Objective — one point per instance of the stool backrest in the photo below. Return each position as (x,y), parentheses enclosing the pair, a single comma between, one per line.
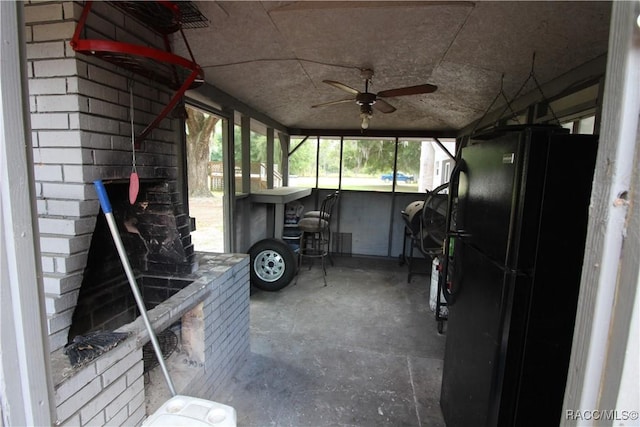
(326,208)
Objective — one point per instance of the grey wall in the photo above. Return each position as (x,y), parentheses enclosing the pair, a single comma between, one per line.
(369,223)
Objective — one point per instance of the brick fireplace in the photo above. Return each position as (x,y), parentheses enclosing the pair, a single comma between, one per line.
(81,132)
(155,232)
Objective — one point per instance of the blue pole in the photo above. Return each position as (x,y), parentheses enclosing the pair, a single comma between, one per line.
(106,208)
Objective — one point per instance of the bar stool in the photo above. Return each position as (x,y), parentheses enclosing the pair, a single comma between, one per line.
(315,234)
(317,214)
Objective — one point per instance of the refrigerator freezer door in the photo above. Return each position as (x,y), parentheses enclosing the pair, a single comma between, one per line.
(487,193)
(473,339)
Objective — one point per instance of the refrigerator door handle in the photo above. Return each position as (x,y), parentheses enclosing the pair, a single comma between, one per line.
(445,283)
(450,278)
(445,276)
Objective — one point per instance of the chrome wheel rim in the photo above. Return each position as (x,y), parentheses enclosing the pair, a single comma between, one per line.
(269,265)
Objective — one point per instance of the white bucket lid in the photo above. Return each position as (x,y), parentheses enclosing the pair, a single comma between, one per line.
(192,412)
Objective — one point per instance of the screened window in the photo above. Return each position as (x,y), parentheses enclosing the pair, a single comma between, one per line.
(366,163)
(423,164)
(587,125)
(583,125)
(205,177)
(302,162)
(411,163)
(258,152)
(329,163)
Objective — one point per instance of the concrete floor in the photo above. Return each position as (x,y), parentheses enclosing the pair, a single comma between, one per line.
(362,351)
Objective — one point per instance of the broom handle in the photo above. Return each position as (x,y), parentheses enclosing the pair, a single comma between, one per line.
(106,208)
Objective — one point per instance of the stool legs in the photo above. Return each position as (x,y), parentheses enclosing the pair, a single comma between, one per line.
(314,245)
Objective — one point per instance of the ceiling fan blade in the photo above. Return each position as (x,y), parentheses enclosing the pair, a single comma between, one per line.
(384,106)
(341,86)
(411,90)
(341,101)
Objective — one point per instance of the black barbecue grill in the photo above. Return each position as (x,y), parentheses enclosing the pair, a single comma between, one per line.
(425,230)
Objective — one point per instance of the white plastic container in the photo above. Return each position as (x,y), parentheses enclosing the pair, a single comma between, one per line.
(185,411)
(444,311)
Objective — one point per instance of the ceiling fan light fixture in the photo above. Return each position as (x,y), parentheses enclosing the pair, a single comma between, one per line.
(365,114)
(365,120)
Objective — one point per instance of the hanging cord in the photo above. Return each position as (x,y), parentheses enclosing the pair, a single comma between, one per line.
(544,98)
(513,113)
(133,132)
(504,96)
(532,76)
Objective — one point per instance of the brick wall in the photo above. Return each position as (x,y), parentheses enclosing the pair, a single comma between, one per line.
(226,334)
(109,391)
(81,132)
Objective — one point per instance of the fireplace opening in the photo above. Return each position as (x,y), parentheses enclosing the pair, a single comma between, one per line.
(156,235)
(167,341)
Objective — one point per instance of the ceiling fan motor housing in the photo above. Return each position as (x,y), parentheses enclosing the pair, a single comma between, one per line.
(366,98)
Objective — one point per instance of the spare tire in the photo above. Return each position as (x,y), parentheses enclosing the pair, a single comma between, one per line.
(273,264)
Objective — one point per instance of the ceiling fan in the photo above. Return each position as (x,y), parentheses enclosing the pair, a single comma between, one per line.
(368,100)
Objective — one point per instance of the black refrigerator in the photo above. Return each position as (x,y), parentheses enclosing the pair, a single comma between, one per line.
(517,243)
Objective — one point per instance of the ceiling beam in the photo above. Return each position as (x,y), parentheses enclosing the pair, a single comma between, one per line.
(380,133)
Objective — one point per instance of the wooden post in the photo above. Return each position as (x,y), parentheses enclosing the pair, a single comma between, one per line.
(270,143)
(245,135)
(229,182)
(604,336)
(24,352)
(284,156)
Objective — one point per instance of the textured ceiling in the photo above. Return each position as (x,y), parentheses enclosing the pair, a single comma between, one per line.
(273,56)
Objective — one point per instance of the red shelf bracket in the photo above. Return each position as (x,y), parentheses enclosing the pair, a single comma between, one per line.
(161,66)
